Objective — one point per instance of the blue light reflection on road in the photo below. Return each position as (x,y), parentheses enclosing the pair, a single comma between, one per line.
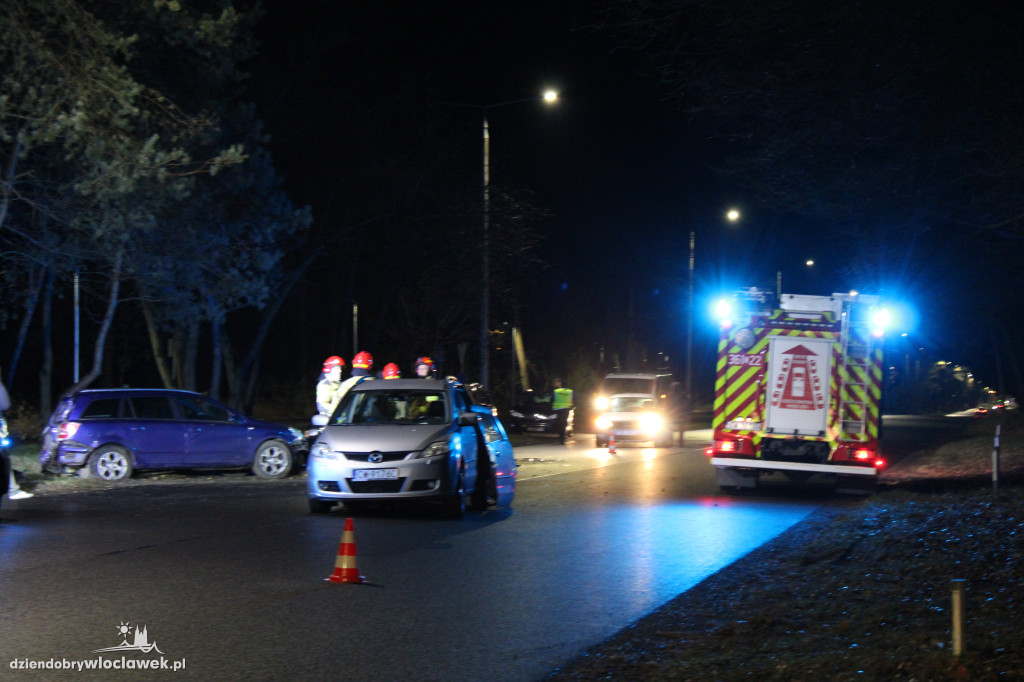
(664,549)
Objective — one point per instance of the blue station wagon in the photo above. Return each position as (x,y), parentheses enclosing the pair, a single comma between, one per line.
(114,432)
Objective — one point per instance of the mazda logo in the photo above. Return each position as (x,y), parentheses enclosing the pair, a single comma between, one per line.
(376,457)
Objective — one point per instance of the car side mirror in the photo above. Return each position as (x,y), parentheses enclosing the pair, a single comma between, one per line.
(320,420)
(468,419)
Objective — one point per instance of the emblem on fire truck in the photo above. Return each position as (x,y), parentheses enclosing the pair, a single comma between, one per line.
(797,384)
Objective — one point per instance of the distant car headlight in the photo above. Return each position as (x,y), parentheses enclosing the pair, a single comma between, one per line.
(651,423)
(516,414)
(601,402)
(435,449)
(321,450)
(603,423)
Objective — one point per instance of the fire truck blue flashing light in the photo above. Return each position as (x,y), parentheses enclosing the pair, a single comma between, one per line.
(724,312)
(880,321)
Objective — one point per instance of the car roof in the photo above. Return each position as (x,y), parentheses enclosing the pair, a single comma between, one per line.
(135,391)
(391,384)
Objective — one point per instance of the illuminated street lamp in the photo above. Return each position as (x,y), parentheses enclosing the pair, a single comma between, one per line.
(549,97)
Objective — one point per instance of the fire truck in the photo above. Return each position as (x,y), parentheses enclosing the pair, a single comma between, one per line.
(798,386)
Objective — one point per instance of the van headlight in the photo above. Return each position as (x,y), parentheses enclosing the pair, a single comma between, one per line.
(651,423)
(601,402)
(603,423)
(435,449)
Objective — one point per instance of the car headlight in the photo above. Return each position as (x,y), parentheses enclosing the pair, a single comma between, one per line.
(603,423)
(601,402)
(321,450)
(514,413)
(435,449)
(651,423)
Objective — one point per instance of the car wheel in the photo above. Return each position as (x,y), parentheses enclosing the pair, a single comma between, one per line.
(317,506)
(454,505)
(600,442)
(273,460)
(110,463)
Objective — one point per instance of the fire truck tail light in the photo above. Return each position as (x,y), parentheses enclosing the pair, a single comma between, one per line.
(879,463)
(67,430)
(709,452)
(863,454)
(727,446)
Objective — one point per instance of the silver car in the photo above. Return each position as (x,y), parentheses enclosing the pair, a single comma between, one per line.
(410,439)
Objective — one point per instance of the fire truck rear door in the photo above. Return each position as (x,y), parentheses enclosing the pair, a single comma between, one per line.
(798,385)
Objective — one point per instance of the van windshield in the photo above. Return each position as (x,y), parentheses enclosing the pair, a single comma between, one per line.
(613,385)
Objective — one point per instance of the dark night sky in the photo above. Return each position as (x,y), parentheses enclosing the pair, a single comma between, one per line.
(626,174)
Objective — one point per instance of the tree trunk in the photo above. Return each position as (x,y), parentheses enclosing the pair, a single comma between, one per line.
(248,370)
(45,273)
(215,341)
(107,321)
(46,362)
(154,342)
(10,164)
(190,355)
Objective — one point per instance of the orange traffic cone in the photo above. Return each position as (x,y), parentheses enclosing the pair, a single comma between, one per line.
(345,570)
(611,443)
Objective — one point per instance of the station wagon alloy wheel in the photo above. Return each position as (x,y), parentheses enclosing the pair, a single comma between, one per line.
(273,460)
(110,463)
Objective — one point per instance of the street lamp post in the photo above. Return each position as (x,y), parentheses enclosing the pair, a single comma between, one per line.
(732,216)
(485,284)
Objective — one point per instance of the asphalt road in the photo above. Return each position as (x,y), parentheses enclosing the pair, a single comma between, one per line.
(226,573)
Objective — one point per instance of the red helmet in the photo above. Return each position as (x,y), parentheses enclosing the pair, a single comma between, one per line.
(391,371)
(424,361)
(333,361)
(362,360)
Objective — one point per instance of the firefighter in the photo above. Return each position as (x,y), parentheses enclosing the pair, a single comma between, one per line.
(328,389)
(424,368)
(391,371)
(561,403)
(362,364)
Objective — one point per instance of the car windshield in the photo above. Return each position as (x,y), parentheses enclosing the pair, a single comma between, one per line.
(630,404)
(398,406)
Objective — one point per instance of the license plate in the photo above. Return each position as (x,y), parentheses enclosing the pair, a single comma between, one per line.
(534,428)
(375,474)
(626,432)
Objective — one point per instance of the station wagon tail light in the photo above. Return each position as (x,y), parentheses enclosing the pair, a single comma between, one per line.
(68,430)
